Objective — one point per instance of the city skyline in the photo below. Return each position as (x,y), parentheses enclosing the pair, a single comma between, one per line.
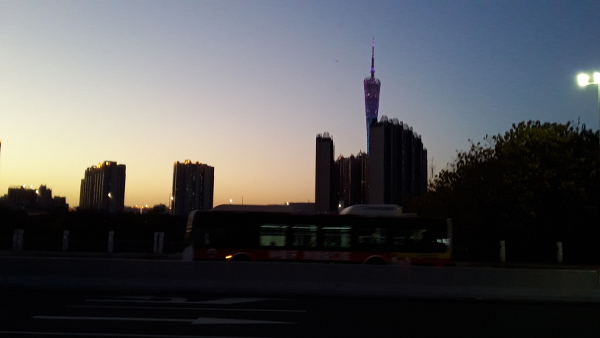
(245,86)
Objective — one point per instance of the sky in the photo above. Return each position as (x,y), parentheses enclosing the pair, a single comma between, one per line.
(245,86)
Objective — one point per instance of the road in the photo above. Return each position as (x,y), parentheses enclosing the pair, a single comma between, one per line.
(47,313)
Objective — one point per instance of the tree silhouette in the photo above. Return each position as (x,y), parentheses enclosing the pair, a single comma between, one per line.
(538,182)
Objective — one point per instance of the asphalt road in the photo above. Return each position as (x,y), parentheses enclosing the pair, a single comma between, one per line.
(63,313)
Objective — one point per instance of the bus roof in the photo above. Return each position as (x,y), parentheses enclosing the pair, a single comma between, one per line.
(254,208)
(390,210)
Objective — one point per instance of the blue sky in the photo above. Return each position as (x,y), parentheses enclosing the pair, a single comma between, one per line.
(245,86)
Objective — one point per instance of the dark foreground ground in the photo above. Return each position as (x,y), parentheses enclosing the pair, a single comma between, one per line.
(63,313)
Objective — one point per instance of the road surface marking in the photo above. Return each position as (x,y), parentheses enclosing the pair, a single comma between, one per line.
(181,308)
(200,320)
(209,320)
(116,319)
(154,298)
(63,334)
(149,300)
(230,301)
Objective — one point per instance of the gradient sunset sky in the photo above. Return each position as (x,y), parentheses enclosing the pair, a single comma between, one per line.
(245,86)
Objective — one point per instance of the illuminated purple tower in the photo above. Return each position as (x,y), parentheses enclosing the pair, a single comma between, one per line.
(372,86)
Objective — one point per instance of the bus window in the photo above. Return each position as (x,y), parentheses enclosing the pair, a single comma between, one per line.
(225,236)
(406,237)
(371,237)
(417,236)
(400,238)
(336,237)
(202,236)
(272,235)
(304,235)
(211,237)
(418,240)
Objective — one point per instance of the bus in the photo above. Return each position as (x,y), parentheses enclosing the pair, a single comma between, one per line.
(256,235)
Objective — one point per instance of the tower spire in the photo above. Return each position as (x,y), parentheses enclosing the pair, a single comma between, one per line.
(372,86)
(373,59)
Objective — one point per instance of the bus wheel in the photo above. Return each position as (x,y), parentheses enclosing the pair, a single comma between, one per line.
(375,261)
(241,258)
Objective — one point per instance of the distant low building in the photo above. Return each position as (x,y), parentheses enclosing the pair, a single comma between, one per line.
(146,209)
(33,200)
(22,198)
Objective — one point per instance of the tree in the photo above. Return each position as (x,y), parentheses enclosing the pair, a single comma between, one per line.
(537,181)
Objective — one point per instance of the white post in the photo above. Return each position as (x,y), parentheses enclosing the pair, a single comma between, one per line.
(65,241)
(18,239)
(559,252)
(502,251)
(111,241)
(158,242)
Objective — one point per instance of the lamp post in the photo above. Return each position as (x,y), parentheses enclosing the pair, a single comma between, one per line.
(584,80)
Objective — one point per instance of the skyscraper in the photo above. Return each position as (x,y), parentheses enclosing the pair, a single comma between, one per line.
(325,183)
(397,163)
(193,187)
(103,188)
(372,86)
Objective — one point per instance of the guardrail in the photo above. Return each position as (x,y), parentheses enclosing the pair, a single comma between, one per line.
(300,279)
(147,243)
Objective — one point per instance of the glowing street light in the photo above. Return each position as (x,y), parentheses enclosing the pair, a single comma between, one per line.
(584,80)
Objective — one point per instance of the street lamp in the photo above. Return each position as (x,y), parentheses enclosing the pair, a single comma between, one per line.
(584,80)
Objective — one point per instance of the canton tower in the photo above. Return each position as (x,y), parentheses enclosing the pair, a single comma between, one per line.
(372,86)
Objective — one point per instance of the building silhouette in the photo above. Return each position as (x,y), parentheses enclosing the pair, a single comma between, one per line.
(22,198)
(372,86)
(103,188)
(352,175)
(33,200)
(326,198)
(193,187)
(393,170)
(397,163)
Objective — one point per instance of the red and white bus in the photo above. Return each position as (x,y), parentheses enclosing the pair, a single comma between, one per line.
(346,238)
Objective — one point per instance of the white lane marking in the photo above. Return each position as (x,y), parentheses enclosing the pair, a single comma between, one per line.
(154,298)
(223,301)
(63,334)
(200,320)
(208,320)
(116,319)
(181,308)
(230,301)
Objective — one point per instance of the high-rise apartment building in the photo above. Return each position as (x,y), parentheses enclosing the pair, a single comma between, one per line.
(325,183)
(372,86)
(352,173)
(103,188)
(193,187)
(397,163)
